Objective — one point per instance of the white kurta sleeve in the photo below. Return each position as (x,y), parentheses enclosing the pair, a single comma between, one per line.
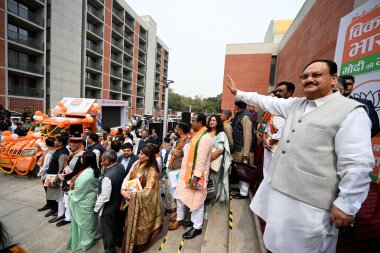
(274,105)
(279,123)
(104,196)
(354,160)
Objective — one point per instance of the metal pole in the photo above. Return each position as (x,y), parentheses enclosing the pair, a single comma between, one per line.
(165,127)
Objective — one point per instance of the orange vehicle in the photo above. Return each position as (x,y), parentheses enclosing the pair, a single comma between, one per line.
(20,154)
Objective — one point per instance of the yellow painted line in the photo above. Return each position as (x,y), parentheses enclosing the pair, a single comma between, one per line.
(163,242)
(230,219)
(181,246)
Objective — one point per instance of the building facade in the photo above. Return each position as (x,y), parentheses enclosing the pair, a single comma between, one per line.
(80,48)
(288,46)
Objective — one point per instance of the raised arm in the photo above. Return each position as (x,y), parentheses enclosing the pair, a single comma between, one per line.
(274,105)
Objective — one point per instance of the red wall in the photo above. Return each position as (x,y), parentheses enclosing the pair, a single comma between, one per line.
(250,73)
(315,38)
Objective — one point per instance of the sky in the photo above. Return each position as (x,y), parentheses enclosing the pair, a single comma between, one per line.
(197,32)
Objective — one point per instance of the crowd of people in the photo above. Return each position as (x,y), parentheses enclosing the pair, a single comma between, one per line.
(314,169)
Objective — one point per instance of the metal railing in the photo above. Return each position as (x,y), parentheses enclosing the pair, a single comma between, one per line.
(117,43)
(26,66)
(142,59)
(25,40)
(127,90)
(130,37)
(26,14)
(130,24)
(128,51)
(115,73)
(117,29)
(95,31)
(143,36)
(116,58)
(18,90)
(93,82)
(115,87)
(118,13)
(157,79)
(94,65)
(95,12)
(139,105)
(94,47)
(140,82)
(127,77)
(141,71)
(140,93)
(143,48)
(128,64)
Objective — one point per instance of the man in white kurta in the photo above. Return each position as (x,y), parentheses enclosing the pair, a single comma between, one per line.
(295,221)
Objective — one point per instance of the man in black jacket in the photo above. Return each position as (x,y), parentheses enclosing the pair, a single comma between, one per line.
(128,158)
(93,145)
(345,90)
(109,200)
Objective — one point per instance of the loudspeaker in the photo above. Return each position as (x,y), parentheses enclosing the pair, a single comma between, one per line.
(186,117)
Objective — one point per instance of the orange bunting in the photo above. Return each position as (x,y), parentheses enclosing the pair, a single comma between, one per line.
(64,109)
(7,138)
(60,104)
(38,113)
(93,109)
(7,133)
(44,116)
(30,133)
(85,120)
(66,122)
(90,120)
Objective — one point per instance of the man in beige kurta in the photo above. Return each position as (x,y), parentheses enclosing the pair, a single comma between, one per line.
(190,196)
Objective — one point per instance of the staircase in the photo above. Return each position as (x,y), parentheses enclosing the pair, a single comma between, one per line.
(244,235)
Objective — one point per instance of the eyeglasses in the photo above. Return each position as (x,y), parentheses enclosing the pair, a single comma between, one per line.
(313,75)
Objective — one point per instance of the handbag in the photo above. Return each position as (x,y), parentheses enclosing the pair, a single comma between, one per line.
(215,165)
(244,171)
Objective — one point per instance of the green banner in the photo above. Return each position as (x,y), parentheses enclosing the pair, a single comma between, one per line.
(360,66)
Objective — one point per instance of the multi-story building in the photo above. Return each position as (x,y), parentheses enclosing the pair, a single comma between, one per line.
(79,48)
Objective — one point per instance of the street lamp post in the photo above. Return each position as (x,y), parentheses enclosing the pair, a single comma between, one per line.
(166,86)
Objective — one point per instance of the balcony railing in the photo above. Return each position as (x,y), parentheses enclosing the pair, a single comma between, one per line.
(26,14)
(130,37)
(95,12)
(143,36)
(156,97)
(128,64)
(115,87)
(115,73)
(94,47)
(142,71)
(18,90)
(157,79)
(139,105)
(116,58)
(128,51)
(94,65)
(94,82)
(117,28)
(127,90)
(95,31)
(25,40)
(26,66)
(127,77)
(117,43)
(140,93)
(142,59)
(130,24)
(143,48)
(118,13)
(140,82)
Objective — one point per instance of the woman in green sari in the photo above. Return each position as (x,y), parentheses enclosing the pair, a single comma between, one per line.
(82,197)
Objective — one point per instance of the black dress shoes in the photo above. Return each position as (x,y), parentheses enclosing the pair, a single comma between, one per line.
(235,189)
(239,196)
(50,213)
(55,214)
(45,207)
(187,224)
(55,219)
(192,233)
(62,223)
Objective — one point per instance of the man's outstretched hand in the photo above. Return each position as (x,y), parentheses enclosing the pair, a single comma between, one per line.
(231,85)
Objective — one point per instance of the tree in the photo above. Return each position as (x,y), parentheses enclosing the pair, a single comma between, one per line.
(182,103)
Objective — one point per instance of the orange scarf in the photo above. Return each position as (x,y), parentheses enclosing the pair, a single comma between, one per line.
(191,158)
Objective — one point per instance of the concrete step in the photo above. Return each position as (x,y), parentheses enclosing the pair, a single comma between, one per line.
(243,237)
(216,234)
